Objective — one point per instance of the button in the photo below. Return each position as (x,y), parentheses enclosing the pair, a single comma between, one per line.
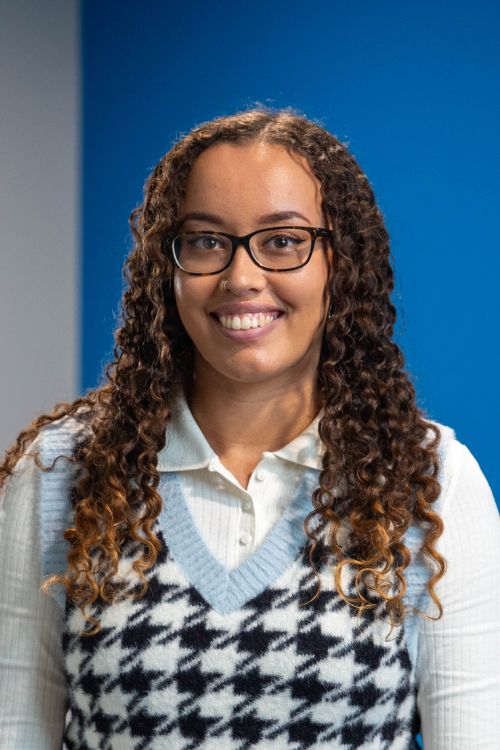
(247,505)
(260,475)
(245,538)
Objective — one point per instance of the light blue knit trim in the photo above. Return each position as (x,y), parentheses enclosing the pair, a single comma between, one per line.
(228,590)
(54,508)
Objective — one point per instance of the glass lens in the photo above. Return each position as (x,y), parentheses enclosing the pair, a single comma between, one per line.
(275,249)
(285,247)
(201,252)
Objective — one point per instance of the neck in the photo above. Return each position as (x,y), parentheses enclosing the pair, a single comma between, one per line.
(251,417)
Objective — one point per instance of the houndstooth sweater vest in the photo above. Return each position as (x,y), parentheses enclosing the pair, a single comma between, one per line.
(217,659)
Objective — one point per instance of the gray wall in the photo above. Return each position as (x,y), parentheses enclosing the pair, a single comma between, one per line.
(39,208)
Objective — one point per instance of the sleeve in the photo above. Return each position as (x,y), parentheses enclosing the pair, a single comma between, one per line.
(33,686)
(458,667)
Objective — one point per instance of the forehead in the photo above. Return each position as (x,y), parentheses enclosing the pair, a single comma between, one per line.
(252,177)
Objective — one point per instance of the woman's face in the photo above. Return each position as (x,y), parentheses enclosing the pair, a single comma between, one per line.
(239,189)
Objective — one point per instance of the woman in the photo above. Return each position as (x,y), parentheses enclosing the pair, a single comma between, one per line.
(253,521)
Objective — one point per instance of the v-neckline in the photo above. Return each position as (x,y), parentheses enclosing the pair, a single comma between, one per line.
(228,590)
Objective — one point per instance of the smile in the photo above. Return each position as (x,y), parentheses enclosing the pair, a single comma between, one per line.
(247,327)
(249,320)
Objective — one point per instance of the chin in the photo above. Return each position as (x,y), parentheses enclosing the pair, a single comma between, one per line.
(251,373)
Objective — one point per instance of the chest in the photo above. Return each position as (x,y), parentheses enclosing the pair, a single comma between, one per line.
(171,671)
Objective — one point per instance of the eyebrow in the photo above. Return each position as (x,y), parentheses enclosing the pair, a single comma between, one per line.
(265,219)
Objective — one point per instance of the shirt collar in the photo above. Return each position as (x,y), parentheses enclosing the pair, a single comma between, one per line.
(187,447)
(306,449)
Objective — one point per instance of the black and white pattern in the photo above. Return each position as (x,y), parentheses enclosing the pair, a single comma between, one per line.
(170,672)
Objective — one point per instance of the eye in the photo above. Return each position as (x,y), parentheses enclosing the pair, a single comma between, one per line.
(282,241)
(205,241)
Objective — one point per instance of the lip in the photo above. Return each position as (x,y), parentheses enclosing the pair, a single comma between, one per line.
(250,334)
(242,308)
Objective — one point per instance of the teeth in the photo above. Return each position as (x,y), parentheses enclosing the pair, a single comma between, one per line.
(236,323)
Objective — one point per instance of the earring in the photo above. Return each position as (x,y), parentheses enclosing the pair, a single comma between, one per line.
(330,313)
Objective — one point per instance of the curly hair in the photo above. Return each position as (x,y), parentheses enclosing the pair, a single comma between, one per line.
(380,467)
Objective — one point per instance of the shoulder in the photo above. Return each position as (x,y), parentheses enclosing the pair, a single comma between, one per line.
(446,447)
(49,457)
(465,504)
(52,440)
(62,434)
(471,521)
(463,483)
(35,505)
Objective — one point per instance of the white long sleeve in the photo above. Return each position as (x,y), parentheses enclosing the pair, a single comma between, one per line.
(459,655)
(32,682)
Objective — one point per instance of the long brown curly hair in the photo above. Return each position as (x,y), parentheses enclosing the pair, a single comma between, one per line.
(378,449)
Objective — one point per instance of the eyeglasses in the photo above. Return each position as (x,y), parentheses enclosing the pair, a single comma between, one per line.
(273,249)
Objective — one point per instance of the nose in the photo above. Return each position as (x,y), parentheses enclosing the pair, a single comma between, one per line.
(243,274)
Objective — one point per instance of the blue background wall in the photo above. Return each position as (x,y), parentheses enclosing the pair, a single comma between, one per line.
(413,87)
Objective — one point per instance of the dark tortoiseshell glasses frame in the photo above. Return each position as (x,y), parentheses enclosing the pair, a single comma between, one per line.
(314,232)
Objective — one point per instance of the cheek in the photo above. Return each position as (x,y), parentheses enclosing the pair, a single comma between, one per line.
(184,302)
(313,291)
(186,289)
(181,289)
(191,295)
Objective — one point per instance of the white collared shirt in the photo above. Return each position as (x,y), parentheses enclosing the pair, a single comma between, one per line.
(233,520)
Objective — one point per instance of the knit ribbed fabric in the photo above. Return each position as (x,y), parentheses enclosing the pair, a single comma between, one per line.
(170,671)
